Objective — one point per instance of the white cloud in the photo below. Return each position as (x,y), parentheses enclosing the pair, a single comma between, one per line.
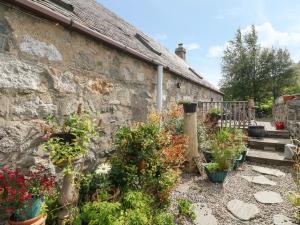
(191,46)
(215,51)
(269,36)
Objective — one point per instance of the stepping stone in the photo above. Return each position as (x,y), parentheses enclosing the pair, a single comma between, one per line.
(183,188)
(259,180)
(242,210)
(268,171)
(282,220)
(268,197)
(204,215)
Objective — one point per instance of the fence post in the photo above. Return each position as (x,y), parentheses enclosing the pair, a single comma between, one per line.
(190,130)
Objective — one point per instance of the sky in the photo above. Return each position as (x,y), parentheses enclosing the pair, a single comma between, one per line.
(205,26)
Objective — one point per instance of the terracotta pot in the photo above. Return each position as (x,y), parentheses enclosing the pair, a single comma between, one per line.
(39,220)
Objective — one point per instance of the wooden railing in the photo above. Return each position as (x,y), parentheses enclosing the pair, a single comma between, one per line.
(235,114)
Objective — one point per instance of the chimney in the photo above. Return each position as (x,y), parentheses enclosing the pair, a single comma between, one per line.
(180,51)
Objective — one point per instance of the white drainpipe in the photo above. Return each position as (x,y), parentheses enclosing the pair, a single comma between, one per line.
(159,88)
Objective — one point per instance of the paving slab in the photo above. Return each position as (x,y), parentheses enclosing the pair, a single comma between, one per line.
(204,215)
(268,171)
(279,219)
(184,187)
(241,210)
(268,197)
(259,180)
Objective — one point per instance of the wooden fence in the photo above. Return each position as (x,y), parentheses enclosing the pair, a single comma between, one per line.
(235,114)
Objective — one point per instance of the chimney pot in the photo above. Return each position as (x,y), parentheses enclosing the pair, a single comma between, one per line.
(180,51)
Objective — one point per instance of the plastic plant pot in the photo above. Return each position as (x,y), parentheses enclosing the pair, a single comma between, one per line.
(189,107)
(215,177)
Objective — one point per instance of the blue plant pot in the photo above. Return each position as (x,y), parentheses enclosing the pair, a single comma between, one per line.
(31,209)
(216,177)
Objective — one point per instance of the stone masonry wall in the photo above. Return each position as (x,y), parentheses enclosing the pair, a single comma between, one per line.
(44,68)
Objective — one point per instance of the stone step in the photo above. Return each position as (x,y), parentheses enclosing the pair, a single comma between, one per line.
(268,144)
(268,157)
(283,134)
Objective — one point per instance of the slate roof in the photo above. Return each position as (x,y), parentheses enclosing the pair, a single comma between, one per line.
(97,17)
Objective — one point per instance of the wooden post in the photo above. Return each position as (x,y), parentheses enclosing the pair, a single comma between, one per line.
(190,130)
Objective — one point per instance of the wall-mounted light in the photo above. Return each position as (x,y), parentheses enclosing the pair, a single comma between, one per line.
(178,85)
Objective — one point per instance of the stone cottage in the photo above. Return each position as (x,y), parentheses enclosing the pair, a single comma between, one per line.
(56,54)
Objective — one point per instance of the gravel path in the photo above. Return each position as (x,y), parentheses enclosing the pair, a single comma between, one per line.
(216,196)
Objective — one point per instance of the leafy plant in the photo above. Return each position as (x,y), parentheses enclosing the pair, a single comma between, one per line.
(144,155)
(164,218)
(214,112)
(213,167)
(185,208)
(68,141)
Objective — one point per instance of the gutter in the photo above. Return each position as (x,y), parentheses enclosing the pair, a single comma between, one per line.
(74,25)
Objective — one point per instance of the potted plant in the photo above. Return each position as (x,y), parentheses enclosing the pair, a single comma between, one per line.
(23,196)
(218,169)
(68,142)
(214,114)
(279,125)
(188,106)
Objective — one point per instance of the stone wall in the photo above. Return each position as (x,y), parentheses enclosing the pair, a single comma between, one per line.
(289,112)
(47,69)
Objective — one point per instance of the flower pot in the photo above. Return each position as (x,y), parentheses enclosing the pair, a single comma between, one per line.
(256,131)
(31,209)
(189,107)
(216,177)
(64,137)
(39,220)
(279,125)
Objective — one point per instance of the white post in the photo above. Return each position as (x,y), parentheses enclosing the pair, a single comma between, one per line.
(159,88)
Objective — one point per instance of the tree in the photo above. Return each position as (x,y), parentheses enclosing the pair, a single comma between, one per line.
(252,71)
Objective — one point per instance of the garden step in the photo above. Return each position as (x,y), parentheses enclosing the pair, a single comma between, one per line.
(268,157)
(269,144)
(283,134)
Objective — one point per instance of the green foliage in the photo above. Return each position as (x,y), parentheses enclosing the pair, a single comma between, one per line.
(78,128)
(252,71)
(164,218)
(185,208)
(139,161)
(213,167)
(52,206)
(100,213)
(215,112)
(226,145)
(136,208)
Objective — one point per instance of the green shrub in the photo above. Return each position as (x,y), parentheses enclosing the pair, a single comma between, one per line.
(213,167)
(164,218)
(185,208)
(100,213)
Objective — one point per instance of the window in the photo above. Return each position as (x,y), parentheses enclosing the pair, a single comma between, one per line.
(64,4)
(147,43)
